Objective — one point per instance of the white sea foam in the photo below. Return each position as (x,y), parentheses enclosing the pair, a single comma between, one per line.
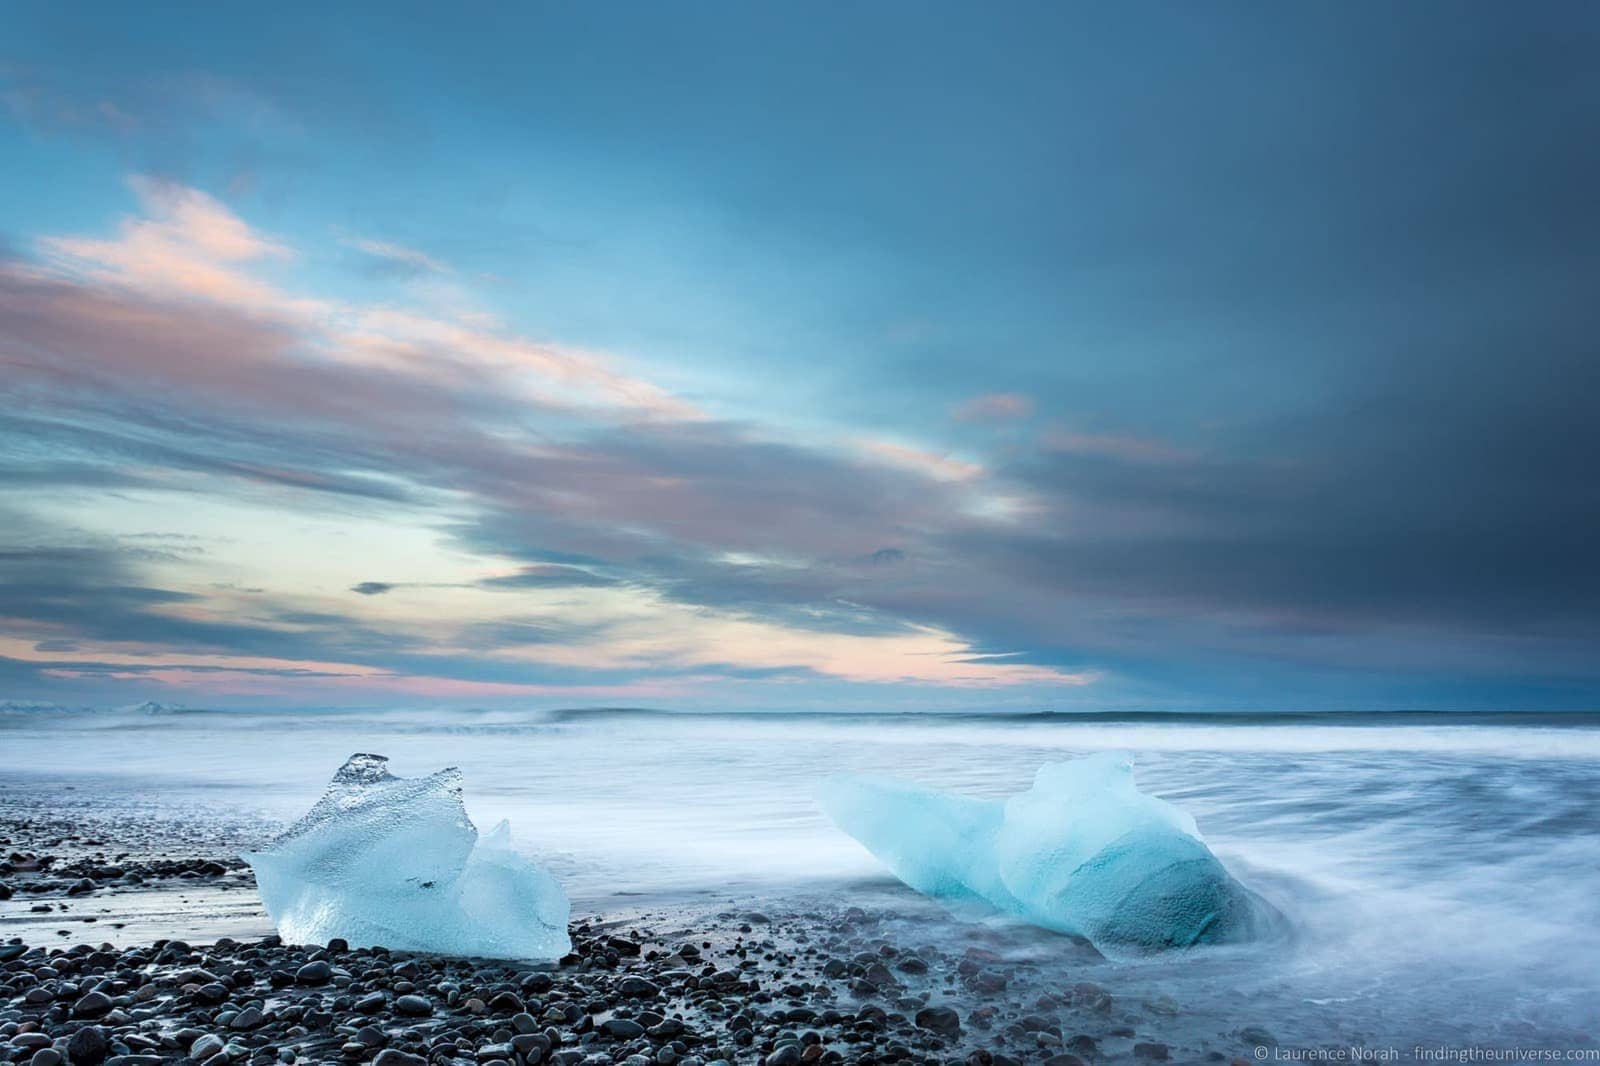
(1439,872)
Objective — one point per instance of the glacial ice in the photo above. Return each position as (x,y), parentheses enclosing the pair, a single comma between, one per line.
(1082,852)
(384,860)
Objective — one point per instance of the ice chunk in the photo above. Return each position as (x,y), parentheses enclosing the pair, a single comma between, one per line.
(1083,851)
(384,860)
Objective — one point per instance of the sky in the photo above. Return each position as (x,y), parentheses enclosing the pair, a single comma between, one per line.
(724,356)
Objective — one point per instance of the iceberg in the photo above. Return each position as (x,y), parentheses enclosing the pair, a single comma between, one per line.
(396,862)
(1082,852)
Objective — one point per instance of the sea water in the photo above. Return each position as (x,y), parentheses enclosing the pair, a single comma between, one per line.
(1440,874)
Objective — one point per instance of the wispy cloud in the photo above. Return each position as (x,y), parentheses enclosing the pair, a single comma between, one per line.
(187,246)
(170,358)
(425,502)
(994,407)
(399,255)
(934,465)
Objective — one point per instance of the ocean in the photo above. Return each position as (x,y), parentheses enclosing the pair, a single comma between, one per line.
(1440,874)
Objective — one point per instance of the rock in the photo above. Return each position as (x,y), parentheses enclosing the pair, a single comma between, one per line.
(639,988)
(371,1003)
(879,976)
(92,1005)
(1085,1045)
(942,1020)
(314,973)
(531,1046)
(506,1003)
(205,1047)
(247,1019)
(1090,997)
(46,1056)
(622,1028)
(82,886)
(211,994)
(1150,1050)
(413,1006)
(395,1057)
(88,1046)
(988,982)
(787,1055)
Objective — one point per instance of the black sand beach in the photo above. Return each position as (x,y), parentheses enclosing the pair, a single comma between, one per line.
(85,978)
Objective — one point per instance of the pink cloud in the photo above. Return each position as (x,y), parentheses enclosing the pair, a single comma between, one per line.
(928,464)
(187,246)
(182,358)
(995,407)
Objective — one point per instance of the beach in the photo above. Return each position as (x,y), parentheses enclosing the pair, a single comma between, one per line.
(1435,873)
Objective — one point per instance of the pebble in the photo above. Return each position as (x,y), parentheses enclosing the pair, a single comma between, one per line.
(942,1020)
(394,1057)
(92,1004)
(205,1047)
(413,1006)
(779,993)
(314,973)
(247,1019)
(88,1046)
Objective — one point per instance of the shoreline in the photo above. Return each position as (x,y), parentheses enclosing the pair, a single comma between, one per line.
(1338,981)
(677,984)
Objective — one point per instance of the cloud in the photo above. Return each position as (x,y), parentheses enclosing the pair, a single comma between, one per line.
(930,464)
(994,407)
(188,247)
(223,391)
(186,243)
(649,545)
(548,576)
(399,257)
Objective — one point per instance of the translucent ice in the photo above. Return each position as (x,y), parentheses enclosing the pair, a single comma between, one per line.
(384,860)
(1083,851)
